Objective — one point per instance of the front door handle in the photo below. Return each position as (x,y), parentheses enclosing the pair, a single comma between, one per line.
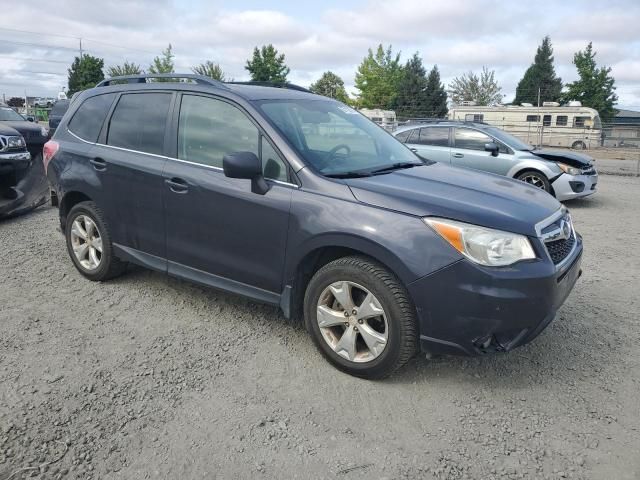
(177,185)
(98,164)
(414,150)
(458,155)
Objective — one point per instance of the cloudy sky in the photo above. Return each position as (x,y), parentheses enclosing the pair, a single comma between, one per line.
(457,35)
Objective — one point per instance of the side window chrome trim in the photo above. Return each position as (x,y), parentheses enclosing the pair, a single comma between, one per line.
(211,167)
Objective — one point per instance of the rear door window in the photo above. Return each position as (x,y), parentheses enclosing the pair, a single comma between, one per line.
(403,136)
(435,136)
(138,122)
(88,119)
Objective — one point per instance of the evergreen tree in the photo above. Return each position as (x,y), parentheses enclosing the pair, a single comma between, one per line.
(163,64)
(267,65)
(210,69)
(330,85)
(84,73)
(595,88)
(411,98)
(378,77)
(540,75)
(436,95)
(125,69)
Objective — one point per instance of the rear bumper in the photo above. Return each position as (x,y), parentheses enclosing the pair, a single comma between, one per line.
(466,309)
(567,187)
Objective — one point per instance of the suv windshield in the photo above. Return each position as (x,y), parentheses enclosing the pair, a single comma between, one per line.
(335,139)
(9,115)
(508,139)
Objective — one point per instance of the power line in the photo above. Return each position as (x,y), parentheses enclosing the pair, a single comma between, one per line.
(39,45)
(20,59)
(39,33)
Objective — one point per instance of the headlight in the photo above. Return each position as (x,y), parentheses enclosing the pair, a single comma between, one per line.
(15,142)
(44,131)
(482,245)
(570,170)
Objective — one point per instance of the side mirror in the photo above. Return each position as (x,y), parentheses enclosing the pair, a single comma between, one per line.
(245,165)
(31,119)
(492,148)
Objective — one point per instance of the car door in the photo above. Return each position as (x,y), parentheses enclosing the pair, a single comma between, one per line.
(468,150)
(218,231)
(431,143)
(130,158)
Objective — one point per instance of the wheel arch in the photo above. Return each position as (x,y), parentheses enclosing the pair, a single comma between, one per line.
(67,202)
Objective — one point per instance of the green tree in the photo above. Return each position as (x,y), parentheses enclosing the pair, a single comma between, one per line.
(596,87)
(210,69)
(436,95)
(541,75)
(84,73)
(410,100)
(125,69)
(267,65)
(16,102)
(482,89)
(378,77)
(163,63)
(330,85)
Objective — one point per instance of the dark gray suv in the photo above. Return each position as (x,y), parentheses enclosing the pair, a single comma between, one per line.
(299,201)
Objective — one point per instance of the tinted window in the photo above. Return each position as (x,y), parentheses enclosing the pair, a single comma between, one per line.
(138,122)
(471,139)
(474,117)
(438,136)
(561,120)
(272,165)
(403,136)
(88,119)
(209,129)
(533,118)
(60,107)
(581,121)
(546,121)
(9,115)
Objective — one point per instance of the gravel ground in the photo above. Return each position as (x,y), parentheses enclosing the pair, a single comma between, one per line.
(150,377)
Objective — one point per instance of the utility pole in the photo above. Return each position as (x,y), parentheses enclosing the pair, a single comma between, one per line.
(80,48)
(540,124)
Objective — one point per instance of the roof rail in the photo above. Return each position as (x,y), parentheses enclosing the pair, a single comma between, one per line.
(175,77)
(287,85)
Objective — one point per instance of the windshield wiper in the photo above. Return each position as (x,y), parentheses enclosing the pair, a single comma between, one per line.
(396,166)
(348,175)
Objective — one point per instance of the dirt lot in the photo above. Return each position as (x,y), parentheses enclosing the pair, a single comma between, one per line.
(151,377)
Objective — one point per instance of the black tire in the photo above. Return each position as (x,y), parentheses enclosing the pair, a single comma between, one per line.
(535,179)
(579,145)
(110,266)
(402,343)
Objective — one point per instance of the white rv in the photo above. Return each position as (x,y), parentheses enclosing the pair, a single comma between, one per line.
(551,125)
(385,118)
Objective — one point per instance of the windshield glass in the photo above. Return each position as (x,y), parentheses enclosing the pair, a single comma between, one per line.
(508,139)
(335,139)
(9,115)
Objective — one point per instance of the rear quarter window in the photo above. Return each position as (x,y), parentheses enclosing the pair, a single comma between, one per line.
(403,136)
(88,119)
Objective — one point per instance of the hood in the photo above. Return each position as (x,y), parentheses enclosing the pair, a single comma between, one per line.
(574,159)
(7,131)
(460,194)
(32,132)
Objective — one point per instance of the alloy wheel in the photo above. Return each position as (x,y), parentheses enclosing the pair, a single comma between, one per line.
(352,321)
(86,242)
(534,180)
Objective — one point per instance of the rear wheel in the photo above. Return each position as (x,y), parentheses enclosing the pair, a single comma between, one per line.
(579,145)
(360,317)
(89,243)
(536,179)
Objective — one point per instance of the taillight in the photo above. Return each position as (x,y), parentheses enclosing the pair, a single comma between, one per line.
(49,150)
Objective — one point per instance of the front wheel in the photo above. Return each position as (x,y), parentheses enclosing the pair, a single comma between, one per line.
(361,317)
(579,145)
(536,179)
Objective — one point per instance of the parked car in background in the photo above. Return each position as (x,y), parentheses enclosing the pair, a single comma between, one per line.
(55,115)
(562,173)
(33,183)
(299,201)
(42,102)
(15,161)
(552,125)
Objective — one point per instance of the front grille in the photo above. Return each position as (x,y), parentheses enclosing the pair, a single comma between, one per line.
(589,171)
(560,249)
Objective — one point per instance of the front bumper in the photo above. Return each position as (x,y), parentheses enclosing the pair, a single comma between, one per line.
(466,309)
(23,185)
(567,187)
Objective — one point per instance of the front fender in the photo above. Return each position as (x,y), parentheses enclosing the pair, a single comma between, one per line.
(550,169)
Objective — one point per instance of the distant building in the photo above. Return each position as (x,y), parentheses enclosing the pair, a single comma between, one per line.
(624,130)
(385,118)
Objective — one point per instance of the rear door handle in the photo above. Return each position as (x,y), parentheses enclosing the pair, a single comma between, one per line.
(99,164)
(458,155)
(177,185)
